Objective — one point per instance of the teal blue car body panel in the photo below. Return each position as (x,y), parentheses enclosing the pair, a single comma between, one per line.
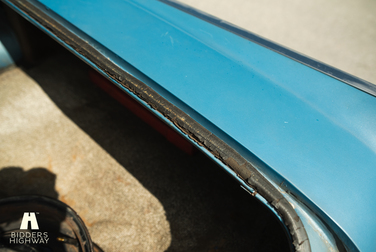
(5,59)
(9,48)
(314,133)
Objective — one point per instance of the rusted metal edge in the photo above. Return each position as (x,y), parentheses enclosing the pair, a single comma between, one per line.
(188,126)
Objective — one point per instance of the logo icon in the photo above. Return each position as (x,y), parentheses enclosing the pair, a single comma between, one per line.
(29,217)
(29,237)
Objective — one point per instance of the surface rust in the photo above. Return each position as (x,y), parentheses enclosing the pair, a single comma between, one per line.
(189,127)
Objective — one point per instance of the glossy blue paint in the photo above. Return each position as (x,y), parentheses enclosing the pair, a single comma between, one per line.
(9,49)
(321,239)
(5,59)
(309,129)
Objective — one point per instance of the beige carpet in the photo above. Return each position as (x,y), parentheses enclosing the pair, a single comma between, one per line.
(41,147)
(43,152)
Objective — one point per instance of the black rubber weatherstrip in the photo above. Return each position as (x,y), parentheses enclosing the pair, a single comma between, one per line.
(39,14)
(340,75)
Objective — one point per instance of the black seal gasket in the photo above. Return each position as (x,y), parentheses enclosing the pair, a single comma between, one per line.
(82,45)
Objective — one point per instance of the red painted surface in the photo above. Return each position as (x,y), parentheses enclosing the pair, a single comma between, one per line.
(145,115)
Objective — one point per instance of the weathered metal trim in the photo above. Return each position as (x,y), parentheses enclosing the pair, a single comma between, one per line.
(340,75)
(195,131)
